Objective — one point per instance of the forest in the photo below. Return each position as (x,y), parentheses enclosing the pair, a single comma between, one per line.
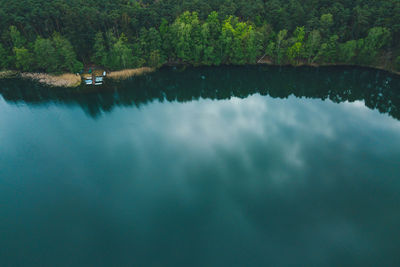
(66,35)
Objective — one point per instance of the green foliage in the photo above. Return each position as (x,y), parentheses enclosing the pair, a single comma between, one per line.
(118,34)
(243,42)
(18,41)
(186,32)
(116,53)
(239,42)
(150,47)
(100,52)
(281,44)
(312,45)
(297,49)
(362,17)
(54,55)
(23,59)
(397,63)
(120,55)
(326,23)
(377,38)
(65,55)
(294,52)
(3,58)
(210,36)
(46,57)
(270,51)
(166,40)
(212,42)
(299,34)
(347,51)
(328,51)
(155,59)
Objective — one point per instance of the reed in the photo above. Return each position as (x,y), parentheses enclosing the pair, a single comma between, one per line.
(63,80)
(124,74)
(7,74)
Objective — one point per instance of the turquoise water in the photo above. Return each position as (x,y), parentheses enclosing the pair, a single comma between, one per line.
(228,166)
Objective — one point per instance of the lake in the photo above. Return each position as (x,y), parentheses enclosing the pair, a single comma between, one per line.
(227,166)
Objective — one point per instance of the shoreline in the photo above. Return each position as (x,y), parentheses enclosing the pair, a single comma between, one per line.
(63,80)
(74,80)
(317,65)
(127,73)
(71,80)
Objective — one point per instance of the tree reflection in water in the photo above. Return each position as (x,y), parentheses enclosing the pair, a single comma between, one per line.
(378,89)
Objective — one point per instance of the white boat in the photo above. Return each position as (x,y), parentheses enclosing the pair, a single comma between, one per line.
(94,80)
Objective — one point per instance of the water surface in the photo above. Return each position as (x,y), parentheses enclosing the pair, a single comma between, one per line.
(229,166)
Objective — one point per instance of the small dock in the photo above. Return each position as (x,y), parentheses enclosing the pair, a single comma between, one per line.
(94,77)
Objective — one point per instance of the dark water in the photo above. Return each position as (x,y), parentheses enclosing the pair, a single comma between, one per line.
(229,166)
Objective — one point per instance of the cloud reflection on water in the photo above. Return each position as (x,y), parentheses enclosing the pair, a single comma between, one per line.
(251,181)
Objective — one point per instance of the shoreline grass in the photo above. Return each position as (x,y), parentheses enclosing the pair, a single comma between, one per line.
(8,74)
(127,73)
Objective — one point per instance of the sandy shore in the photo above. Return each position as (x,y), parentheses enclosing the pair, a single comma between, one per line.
(63,80)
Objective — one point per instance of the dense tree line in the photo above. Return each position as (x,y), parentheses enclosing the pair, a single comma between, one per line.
(60,35)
